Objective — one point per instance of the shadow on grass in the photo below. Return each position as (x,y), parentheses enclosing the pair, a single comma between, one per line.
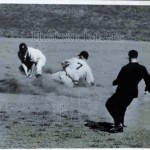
(102,126)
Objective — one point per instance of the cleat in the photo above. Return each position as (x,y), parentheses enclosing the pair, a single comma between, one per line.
(116,129)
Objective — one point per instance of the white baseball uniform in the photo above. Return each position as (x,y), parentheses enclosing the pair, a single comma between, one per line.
(37,57)
(74,71)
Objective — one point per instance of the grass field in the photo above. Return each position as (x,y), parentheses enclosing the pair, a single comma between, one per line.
(104,21)
(39,113)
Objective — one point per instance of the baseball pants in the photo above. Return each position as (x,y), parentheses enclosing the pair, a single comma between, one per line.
(39,65)
(62,78)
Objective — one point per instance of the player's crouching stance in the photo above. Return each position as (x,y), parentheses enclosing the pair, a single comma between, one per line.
(33,60)
(75,70)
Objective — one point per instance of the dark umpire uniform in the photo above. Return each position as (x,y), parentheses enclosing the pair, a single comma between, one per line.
(127,81)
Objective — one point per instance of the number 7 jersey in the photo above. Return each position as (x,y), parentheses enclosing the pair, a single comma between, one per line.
(78,69)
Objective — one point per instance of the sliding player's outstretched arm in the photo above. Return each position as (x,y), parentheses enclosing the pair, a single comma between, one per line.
(90,79)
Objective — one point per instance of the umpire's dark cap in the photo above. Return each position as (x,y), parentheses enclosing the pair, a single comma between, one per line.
(23,47)
(133,54)
(84,54)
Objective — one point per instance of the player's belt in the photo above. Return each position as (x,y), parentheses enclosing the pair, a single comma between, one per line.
(74,81)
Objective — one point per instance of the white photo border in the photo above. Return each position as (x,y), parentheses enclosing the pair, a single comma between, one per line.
(77,2)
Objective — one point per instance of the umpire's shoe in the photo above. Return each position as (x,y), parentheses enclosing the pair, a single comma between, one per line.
(116,129)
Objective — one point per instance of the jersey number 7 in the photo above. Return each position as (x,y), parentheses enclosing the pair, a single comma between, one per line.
(80,65)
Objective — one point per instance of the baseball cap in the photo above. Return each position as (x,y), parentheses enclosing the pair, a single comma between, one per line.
(133,54)
(84,54)
(23,47)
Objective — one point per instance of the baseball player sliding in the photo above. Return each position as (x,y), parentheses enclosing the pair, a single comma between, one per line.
(33,60)
(74,71)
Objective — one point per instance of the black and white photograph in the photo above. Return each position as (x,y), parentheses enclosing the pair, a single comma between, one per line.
(74,76)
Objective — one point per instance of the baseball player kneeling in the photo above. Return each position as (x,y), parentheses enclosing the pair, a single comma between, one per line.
(33,60)
(75,70)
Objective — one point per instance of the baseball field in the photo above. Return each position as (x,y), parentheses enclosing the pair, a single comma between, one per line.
(40,113)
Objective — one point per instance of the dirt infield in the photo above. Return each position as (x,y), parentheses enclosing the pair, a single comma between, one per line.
(39,113)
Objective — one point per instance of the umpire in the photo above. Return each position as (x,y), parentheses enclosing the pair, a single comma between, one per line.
(127,81)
